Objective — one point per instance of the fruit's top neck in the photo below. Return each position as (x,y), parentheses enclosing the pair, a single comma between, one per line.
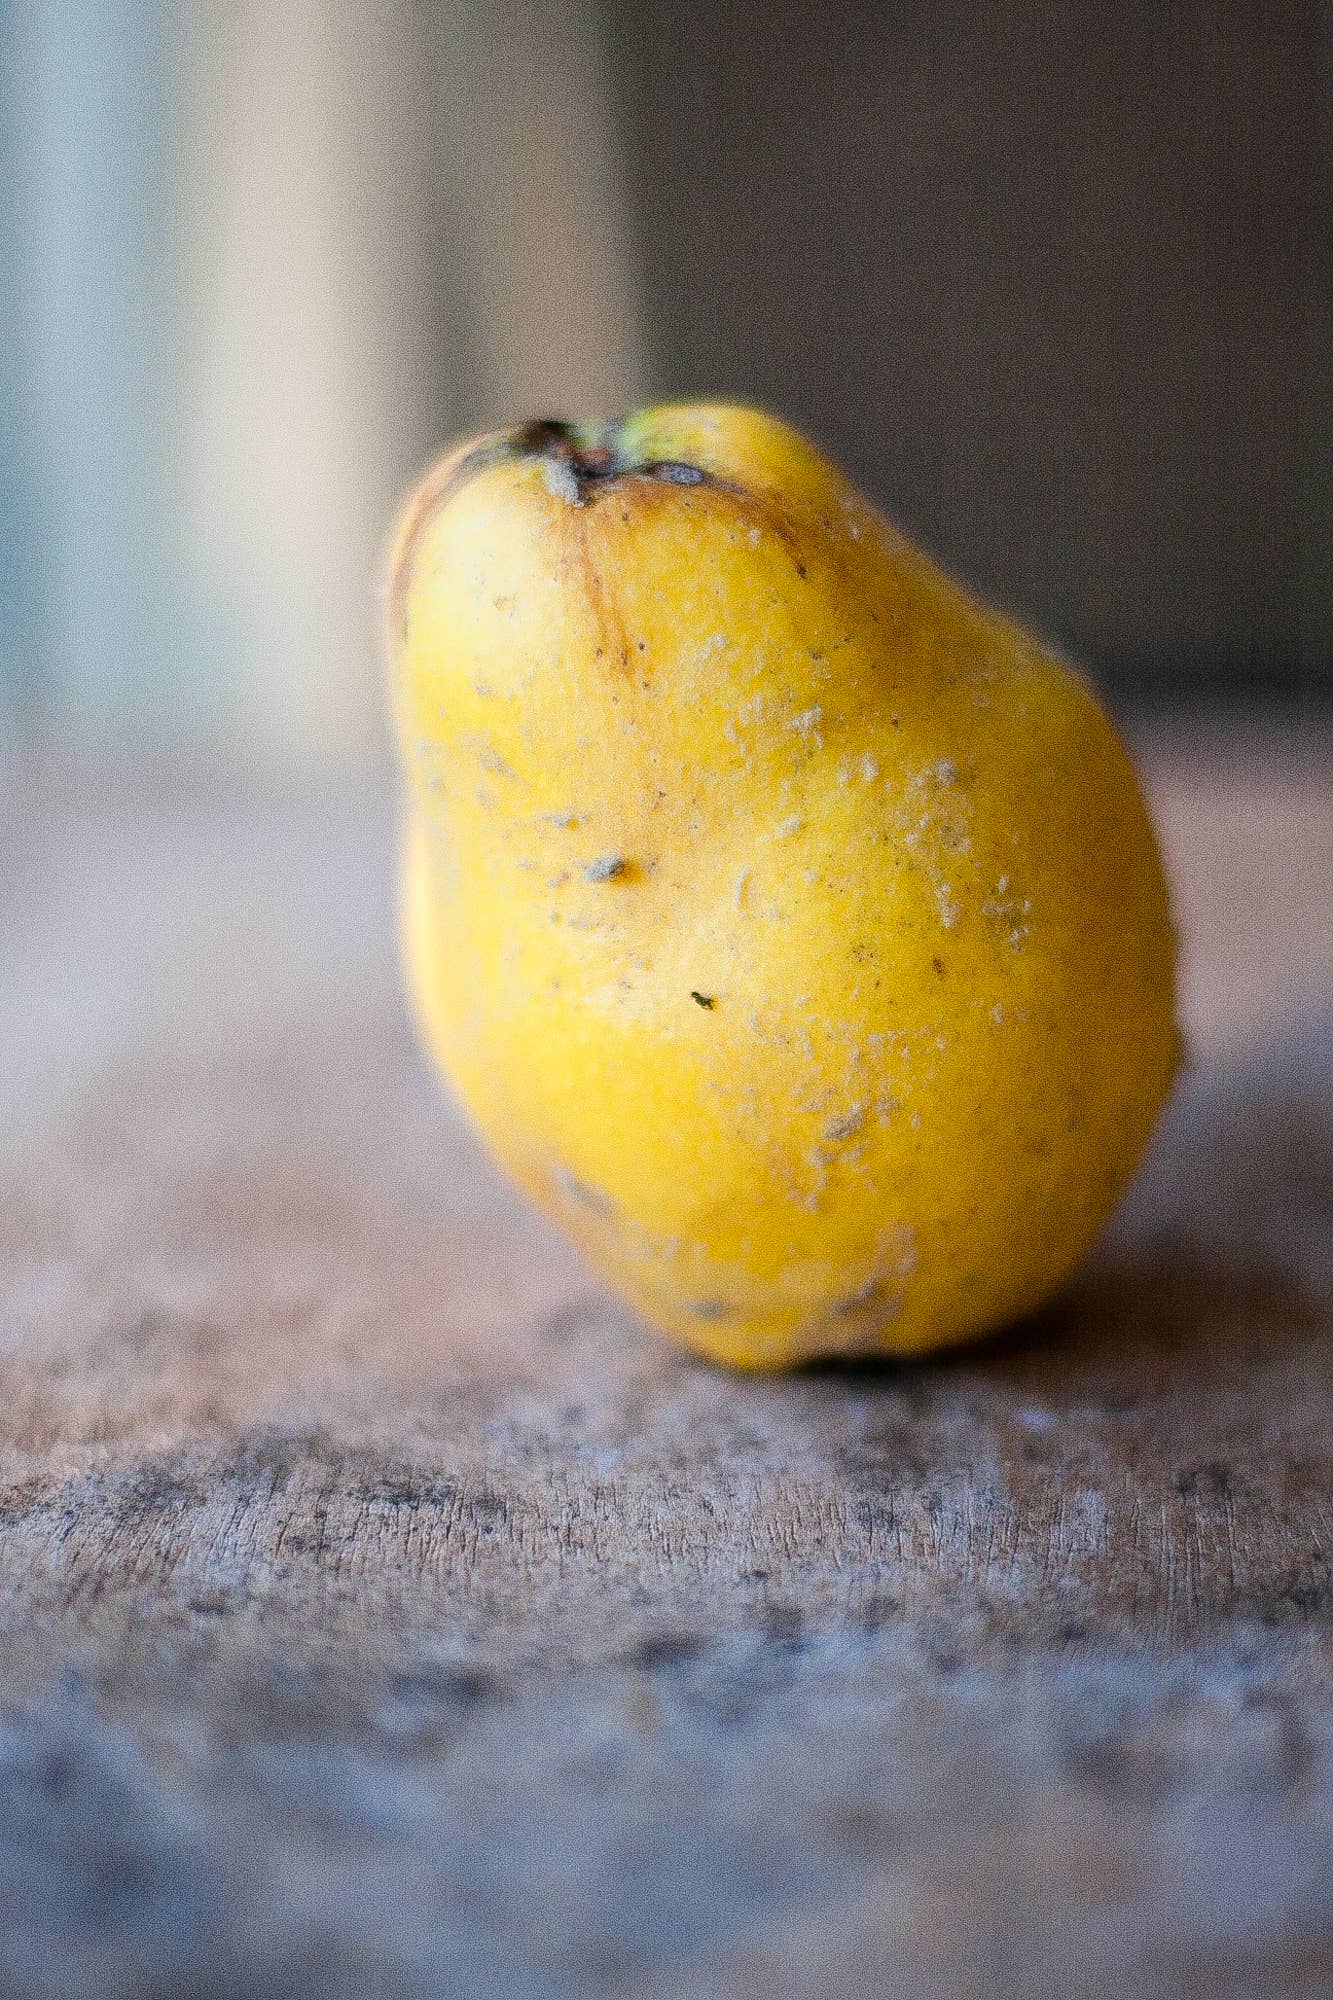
(575,457)
(578,459)
(590,453)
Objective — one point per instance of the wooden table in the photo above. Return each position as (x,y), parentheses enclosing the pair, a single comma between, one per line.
(384,1612)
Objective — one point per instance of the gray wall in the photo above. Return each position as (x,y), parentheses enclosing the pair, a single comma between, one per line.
(1053,280)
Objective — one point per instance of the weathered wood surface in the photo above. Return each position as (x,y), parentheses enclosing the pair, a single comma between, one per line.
(383,1612)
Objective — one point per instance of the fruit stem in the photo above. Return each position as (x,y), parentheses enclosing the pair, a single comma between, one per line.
(588,455)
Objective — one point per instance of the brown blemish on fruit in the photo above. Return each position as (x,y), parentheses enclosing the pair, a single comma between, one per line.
(582,1192)
(613,638)
(856,1301)
(855,1323)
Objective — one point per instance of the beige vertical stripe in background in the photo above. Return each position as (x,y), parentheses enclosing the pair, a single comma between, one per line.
(407,220)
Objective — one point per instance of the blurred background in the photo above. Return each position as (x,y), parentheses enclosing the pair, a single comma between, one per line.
(1054,282)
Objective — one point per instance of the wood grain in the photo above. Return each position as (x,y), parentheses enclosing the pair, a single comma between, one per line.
(383,1611)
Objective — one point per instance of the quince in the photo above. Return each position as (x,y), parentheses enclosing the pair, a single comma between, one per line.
(790,924)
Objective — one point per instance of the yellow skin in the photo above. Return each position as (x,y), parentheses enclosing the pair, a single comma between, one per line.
(790,924)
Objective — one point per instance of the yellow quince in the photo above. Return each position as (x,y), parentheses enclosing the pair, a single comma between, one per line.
(790,924)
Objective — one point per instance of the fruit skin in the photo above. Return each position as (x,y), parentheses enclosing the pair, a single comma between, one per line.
(790,924)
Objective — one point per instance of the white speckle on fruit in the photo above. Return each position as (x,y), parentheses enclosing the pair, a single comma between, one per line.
(897,1250)
(560,480)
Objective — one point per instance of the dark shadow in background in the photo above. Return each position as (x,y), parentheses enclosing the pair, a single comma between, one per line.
(1055,284)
